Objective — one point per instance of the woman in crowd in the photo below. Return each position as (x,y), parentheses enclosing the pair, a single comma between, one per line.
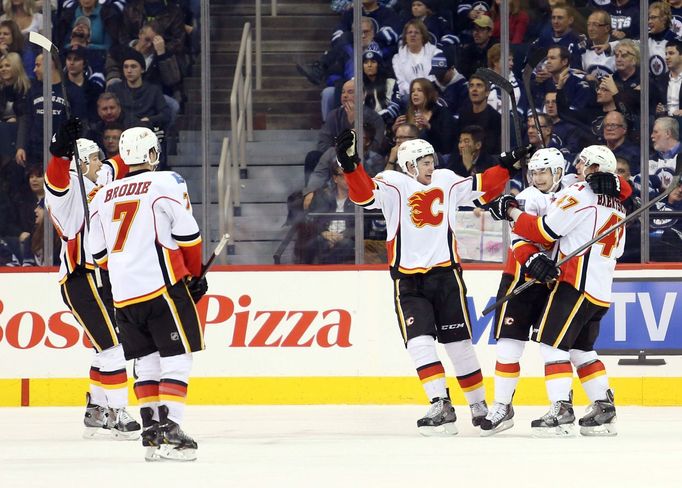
(413,59)
(24,13)
(12,41)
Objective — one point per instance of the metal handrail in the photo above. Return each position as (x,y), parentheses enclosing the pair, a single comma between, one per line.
(225,204)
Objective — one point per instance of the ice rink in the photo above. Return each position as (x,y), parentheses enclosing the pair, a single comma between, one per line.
(334,446)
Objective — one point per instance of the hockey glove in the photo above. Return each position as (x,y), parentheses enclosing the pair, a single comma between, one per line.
(512,159)
(499,207)
(64,140)
(542,268)
(604,183)
(347,151)
(197,288)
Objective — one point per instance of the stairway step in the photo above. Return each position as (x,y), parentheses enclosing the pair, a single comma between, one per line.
(280,22)
(299,8)
(312,46)
(310,121)
(290,107)
(189,136)
(225,30)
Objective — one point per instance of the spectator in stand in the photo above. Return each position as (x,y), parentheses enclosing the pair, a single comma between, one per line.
(404,132)
(169,19)
(139,98)
(476,111)
(495,64)
(11,233)
(104,22)
(667,89)
(624,83)
(413,59)
(12,41)
(78,82)
(632,253)
(439,30)
(615,138)
(518,21)
(469,158)
(387,23)
(534,137)
(80,37)
(14,86)
(665,138)
(466,13)
(624,17)
(561,35)
(660,21)
(596,53)
(109,112)
(451,85)
(30,115)
(666,233)
(475,54)
(565,134)
(110,138)
(24,13)
(380,89)
(557,74)
(434,121)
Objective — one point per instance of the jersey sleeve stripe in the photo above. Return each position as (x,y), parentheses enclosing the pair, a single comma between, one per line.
(187,241)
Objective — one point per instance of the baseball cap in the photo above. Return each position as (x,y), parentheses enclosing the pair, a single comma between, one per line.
(484,22)
(79,51)
(441,62)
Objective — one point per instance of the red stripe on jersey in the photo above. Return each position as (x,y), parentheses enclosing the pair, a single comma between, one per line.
(591,369)
(73,252)
(119,377)
(492,182)
(188,260)
(57,173)
(562,368)
(391,247)
(172,389)
(529,227)
(513,368)
(573,271)
(470,381)
(120,168)
(360,186)
(430,370)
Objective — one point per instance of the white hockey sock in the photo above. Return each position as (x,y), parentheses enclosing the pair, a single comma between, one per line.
(147,376)
(558,373)
(591,372)
(113,376)
(507,368)
(467,368)
(430,370)
(173,386)
(97,395)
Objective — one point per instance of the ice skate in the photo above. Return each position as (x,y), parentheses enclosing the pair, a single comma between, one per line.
(558,422)
(166,441)
(479,410)
(499,419)
(95,420)
(600,419)
(439,420)
(122,426)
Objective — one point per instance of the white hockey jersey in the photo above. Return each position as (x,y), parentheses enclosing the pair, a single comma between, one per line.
(421,218)
(142,228)
(575,216)
(64,203)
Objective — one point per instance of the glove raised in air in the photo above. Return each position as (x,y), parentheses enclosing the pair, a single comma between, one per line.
(63,142)
(347,150)
(512,159)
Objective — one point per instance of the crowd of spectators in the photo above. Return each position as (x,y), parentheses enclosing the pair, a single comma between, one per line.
(123,65)
(419,71)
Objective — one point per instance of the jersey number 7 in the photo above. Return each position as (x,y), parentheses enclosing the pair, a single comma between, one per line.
(124,212)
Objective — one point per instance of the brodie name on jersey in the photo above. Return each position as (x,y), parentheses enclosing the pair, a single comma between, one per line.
(127,189)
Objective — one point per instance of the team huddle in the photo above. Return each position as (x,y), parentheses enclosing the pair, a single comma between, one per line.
(132,290)
(549,220)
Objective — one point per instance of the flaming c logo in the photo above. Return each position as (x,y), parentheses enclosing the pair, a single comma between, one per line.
(422,207)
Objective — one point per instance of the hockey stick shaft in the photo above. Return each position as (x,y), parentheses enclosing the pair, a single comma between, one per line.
(214,255)
(673,184)
(506,86)
(533,60)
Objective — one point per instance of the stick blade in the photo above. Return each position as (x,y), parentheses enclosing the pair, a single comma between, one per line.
(43,42)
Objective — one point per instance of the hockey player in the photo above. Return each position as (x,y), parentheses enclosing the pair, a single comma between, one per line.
(515,318)
(105,414)
(420,206)
(569,322)
(144,231)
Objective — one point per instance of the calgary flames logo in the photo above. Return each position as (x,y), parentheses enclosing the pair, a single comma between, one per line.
(422,203)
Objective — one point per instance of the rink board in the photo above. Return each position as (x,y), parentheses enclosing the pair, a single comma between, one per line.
(317,336)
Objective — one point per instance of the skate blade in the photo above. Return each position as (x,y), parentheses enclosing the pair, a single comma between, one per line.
(96,433)
(119,435)
(605,430)
(167,452)
(444,430)
(565,430)
(504,425)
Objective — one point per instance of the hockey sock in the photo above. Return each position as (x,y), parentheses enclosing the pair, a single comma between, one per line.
(113,376)
(430,370)
(147,375)
(507,368)
(97,395)
(558,373)
(173,386)
(591,372)
(467,369)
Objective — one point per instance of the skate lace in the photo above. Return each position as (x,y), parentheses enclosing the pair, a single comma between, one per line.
(436,409)
(498,413)
(553,411)
(479,409)
(123,416)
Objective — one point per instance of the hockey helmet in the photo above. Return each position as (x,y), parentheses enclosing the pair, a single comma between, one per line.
(551,158)
(135,145)
(86,148)
(600,155)
(410,152)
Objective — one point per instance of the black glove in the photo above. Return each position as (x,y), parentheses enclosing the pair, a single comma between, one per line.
(347,150)
(542,268)
(197,288)
(64,140)
(498,208)
(604,183)
(510,160)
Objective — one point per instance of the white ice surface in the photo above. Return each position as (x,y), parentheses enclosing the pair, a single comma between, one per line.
(348,446)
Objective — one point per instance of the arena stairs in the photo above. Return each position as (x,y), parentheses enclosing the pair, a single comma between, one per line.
(286,118)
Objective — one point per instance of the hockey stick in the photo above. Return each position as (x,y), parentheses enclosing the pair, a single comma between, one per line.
(505,85)
(215,254)
(533,59)
(673,184)
(47,45)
